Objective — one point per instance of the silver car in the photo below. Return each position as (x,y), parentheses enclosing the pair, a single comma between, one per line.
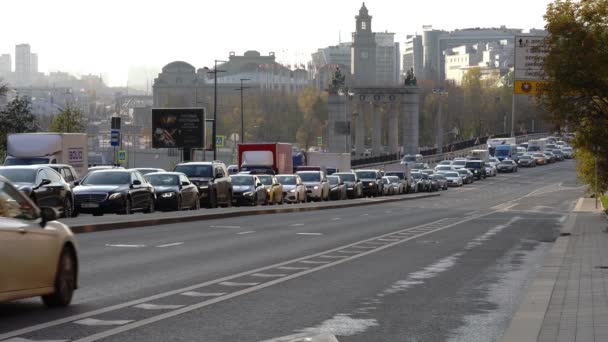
(317,187)
(294,190)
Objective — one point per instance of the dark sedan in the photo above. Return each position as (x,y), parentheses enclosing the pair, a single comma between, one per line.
(507,165)
(337,188)
(248,189)
(527,161)
(174,191)
(43,185)
(114,191)
(354,188)
(467,176)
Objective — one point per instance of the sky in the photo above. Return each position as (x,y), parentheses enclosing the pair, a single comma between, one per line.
(108,37)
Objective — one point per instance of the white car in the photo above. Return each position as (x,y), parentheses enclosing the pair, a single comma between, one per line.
(453,178)
(38,255)
(294,190)
(441,168)
(491,170)
(317,186)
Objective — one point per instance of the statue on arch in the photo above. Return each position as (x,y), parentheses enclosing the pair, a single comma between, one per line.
(410,79)
(337,81)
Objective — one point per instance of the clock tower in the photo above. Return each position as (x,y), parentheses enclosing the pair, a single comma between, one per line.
(363,51)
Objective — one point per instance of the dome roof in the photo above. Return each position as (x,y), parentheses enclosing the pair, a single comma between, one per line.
(251,53)
(179,66)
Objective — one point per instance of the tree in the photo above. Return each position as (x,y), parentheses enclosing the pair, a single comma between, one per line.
(577,68)
(3,88)
(314,109)
(69,120)
(16,117)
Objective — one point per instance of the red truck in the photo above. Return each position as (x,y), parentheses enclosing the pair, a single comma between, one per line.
(266,157)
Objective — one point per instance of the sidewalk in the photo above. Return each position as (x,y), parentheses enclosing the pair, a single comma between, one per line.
(568,301)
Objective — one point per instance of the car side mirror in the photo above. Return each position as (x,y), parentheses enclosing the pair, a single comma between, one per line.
(136,182)
(45,182)
(47,214)
(76,183)
(185,183)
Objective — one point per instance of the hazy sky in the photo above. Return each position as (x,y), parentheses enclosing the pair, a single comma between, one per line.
(109,36)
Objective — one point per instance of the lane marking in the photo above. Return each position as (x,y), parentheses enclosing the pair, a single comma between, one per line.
(226,227)
(296,225)
(202,294)
(349,252)
(310,234)
(389,240)
(170,245)
(19,339)
(230,283)
(97,322)
(268,275)
(336,218)
(364,214)
(333,256)
(125,246)
(290,268)
(150,306)
(248,232)
(314,262)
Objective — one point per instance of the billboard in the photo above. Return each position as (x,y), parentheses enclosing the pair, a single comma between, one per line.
(178,127)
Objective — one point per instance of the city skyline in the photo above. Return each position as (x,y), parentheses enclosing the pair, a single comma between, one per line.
(151,35)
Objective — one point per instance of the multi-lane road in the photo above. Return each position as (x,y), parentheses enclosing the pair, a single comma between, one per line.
(447,268)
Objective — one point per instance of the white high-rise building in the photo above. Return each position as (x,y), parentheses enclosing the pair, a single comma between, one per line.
(33,63)
(387,59)
(23,62)
(6,64)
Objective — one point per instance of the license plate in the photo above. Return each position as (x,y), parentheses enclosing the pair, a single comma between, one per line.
(90,205)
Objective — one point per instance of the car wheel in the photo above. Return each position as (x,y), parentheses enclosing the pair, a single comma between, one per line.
(197,203)
(67,208)
(150,208)
(127,208)
(229,203)
(254,201)
(212,200)
(65,281)
(179,203)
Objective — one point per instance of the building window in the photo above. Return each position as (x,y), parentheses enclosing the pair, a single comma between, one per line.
(364,25)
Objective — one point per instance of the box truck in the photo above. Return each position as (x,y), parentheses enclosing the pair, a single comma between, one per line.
(48,148)
(329,162)
(266,158)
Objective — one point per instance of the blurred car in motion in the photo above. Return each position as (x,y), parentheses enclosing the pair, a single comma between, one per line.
(273,187)
(114,191)
(568,152)
(453,178)
(294,190)
(467,176)
(507,165)
(490,170)
(420,183)
(458,164)
(387,186)
(550,157)
(145,170)
(539,158)
(248,189)
(440,168)
(371,180)
(39,255)
(527,161)
(233,169)
(317,188)
(354,188)
(405,178)
(43,185)
(337,188)
(559,155)
(477,167)
(173,191)
(442,182)
(400,187)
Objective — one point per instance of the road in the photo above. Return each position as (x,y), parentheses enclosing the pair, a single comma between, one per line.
(448,268)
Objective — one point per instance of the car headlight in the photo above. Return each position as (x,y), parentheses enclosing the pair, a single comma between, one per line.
(316,187)
(371,184)
(248,194)
(292,190)
(115,196)
(476,171)
(168,194)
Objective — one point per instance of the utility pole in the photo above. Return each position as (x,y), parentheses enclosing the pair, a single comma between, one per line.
(214,131)
(439,138)
(242,116)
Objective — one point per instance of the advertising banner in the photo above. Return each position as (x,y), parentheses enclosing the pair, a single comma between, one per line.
(178,127)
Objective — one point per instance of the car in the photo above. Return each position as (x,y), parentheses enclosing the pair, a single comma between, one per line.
(527,161)
(372,186)
(491,170)
(274,188)
(539,158)
(507,165)
(428,172)
(114,191)
(440,168)
(421,166)
(103,167)
(294,190)
(403,178)
(43,185)
(173,191)
(467,176)
(453,178)
(354,188)
(568,152)
(550,157)
(477,167)
(559,155)
(411,159)
(39,254)
(445,162)
(458,164)
(441,180)
(434,183)
(67,172)
(398,184)
(337,188)
(145,170)
(212,179)
(248,189)
(317,187)
(420,182)
(387,187)
(232,169)
(493,160)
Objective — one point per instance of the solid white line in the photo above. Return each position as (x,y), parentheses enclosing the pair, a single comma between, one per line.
(268,275)
(296,225)
(96,322)
(202,294)
(149,306)
(126,246)
(314,262)
(289,268)
(309,233)
(227,227)
(170,245)
(333,256)
(230,283)
(248,232)
(336,218)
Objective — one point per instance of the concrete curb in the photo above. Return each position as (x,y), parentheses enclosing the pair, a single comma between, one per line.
(91,228)
(528,320)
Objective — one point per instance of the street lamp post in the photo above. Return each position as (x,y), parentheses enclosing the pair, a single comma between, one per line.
(439,139)
(242,116)
(214,133)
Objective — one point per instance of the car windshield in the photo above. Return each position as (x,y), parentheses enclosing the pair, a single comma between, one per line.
(445,162)
(347,177)
(525,157)
(107,178)
(19,175)
(266,180)
(146,171)
(25,161)
(285,180)
(409,158)
(194,171)
(334,180)
(242,180)
(473,164)
(507,162)
(399,175)
(366,174)
(162,180)
(451,174)
(444,168)
(417,175)
(310,176)
(459,162)
(394,179)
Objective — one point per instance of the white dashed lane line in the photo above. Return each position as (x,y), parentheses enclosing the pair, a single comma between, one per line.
(125,246)
(101,322)
(202,294)
(226,227)
(170,245)
(296,225)
(249,232)
(314,234)
(148,306)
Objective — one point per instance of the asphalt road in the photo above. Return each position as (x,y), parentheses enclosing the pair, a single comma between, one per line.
(448,268)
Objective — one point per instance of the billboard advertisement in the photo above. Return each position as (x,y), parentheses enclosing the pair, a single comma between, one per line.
(178,127)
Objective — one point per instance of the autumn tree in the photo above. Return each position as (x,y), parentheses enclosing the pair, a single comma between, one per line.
(576,66)
(69,120)
(16,117)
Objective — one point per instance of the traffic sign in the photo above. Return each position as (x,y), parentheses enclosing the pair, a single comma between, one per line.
(530,87)
(320,141)
(122,156)
(219,140)
(530,56)
(115,137)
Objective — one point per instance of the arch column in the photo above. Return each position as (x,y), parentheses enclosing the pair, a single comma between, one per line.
(410,120)
(376,129)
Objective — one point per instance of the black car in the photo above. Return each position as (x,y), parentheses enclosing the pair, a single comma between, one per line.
(43,185)
(249,190)
(477,167)
(526,160)
(114,191)
(68,173)
(371,181)
(441,181)
(337,188)
(421,181)
(507,165)
(214,183)
(173,190)
(354,188)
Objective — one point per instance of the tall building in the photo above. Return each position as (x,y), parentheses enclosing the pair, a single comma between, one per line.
(326,60)
(23,63)
(387,59)
(363,51)
(492,59)
(6,64)
(413,55)
(33,63)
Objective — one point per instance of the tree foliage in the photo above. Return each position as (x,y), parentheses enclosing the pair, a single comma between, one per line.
(69,120)
(16,117)
(577,68)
